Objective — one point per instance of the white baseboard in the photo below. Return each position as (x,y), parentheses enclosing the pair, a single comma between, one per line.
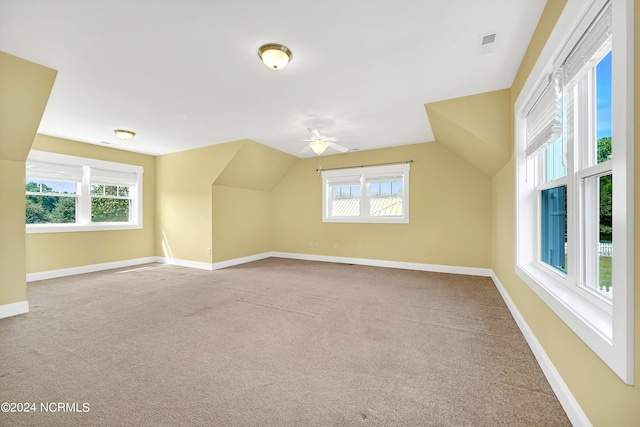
(13,309)
(52,274)
(184,263)
(63,272)
(567,400)
(243,260)
(435,268)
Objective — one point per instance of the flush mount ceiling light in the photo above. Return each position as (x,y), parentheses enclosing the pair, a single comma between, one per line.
(318,147)
(124,134)
(275,56)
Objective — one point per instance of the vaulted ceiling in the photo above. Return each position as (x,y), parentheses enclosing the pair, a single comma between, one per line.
(184,74)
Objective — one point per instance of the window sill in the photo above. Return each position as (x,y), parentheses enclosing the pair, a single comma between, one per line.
(368,220)
(585,318)
(68,228)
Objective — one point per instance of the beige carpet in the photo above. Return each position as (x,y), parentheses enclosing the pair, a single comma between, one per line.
(271,343)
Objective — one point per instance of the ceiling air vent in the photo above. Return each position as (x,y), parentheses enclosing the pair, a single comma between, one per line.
(488,42)
(488,39)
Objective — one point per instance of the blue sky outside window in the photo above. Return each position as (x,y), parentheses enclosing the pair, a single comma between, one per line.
(603,95)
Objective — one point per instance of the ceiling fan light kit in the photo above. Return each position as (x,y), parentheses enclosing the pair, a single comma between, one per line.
(319,143)
(274,55)
(318,147)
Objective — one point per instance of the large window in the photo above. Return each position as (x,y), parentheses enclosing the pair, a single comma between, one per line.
(65,193)
(574,190)
(367,194)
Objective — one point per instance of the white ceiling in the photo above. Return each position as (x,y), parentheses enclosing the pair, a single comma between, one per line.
(185,73)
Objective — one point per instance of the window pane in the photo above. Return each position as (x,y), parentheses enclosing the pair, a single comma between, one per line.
(553,207)
(603,108)
(97,190)
(50,210)
(109,210)
(345,207)
(110,190)
(605,244)
(554,164)
(345,191)
(385,206)
(32,185)
(598,233)
(53,187)
(385,189)
(374,189)
(123,191)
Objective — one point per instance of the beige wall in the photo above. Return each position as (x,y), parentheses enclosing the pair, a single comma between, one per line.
(12,241)
(183,202)
(603,396)
(52,251)
(196,224)
(450,216)
(241,222)
(24,92)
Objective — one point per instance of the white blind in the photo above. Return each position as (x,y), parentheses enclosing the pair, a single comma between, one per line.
(383,178)
(53,171)
(339,181)
(543,121)
(595,39)
(111,177)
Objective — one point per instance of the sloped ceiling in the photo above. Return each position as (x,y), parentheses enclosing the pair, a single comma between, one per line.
(476,128)
(24,90)
(256,167)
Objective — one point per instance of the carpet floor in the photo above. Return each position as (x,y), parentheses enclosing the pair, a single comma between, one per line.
(275,342)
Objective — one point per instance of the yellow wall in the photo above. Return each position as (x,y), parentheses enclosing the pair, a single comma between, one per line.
(450,216)
(196,224)
(52,251)
(183,202)
(241,222)
(24,92)
(603,396)
(12,242)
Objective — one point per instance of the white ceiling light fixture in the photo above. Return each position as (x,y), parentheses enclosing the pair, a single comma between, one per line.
(274,55)
(124,134)
(318,147)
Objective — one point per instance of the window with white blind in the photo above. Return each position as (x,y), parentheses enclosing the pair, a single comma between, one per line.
(67,193)
(574,177)
(366,194)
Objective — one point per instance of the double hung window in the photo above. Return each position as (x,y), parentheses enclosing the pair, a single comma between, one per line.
(574,189)
(66,193)
(367,194)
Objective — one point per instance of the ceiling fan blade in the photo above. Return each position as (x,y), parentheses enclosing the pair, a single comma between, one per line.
(315,132)
(305,149)
(335,146)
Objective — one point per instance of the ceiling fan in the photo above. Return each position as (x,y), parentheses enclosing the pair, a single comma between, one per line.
(319,143)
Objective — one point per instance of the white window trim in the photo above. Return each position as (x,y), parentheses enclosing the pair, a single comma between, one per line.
(136,214)
(365,172)
(609,333)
